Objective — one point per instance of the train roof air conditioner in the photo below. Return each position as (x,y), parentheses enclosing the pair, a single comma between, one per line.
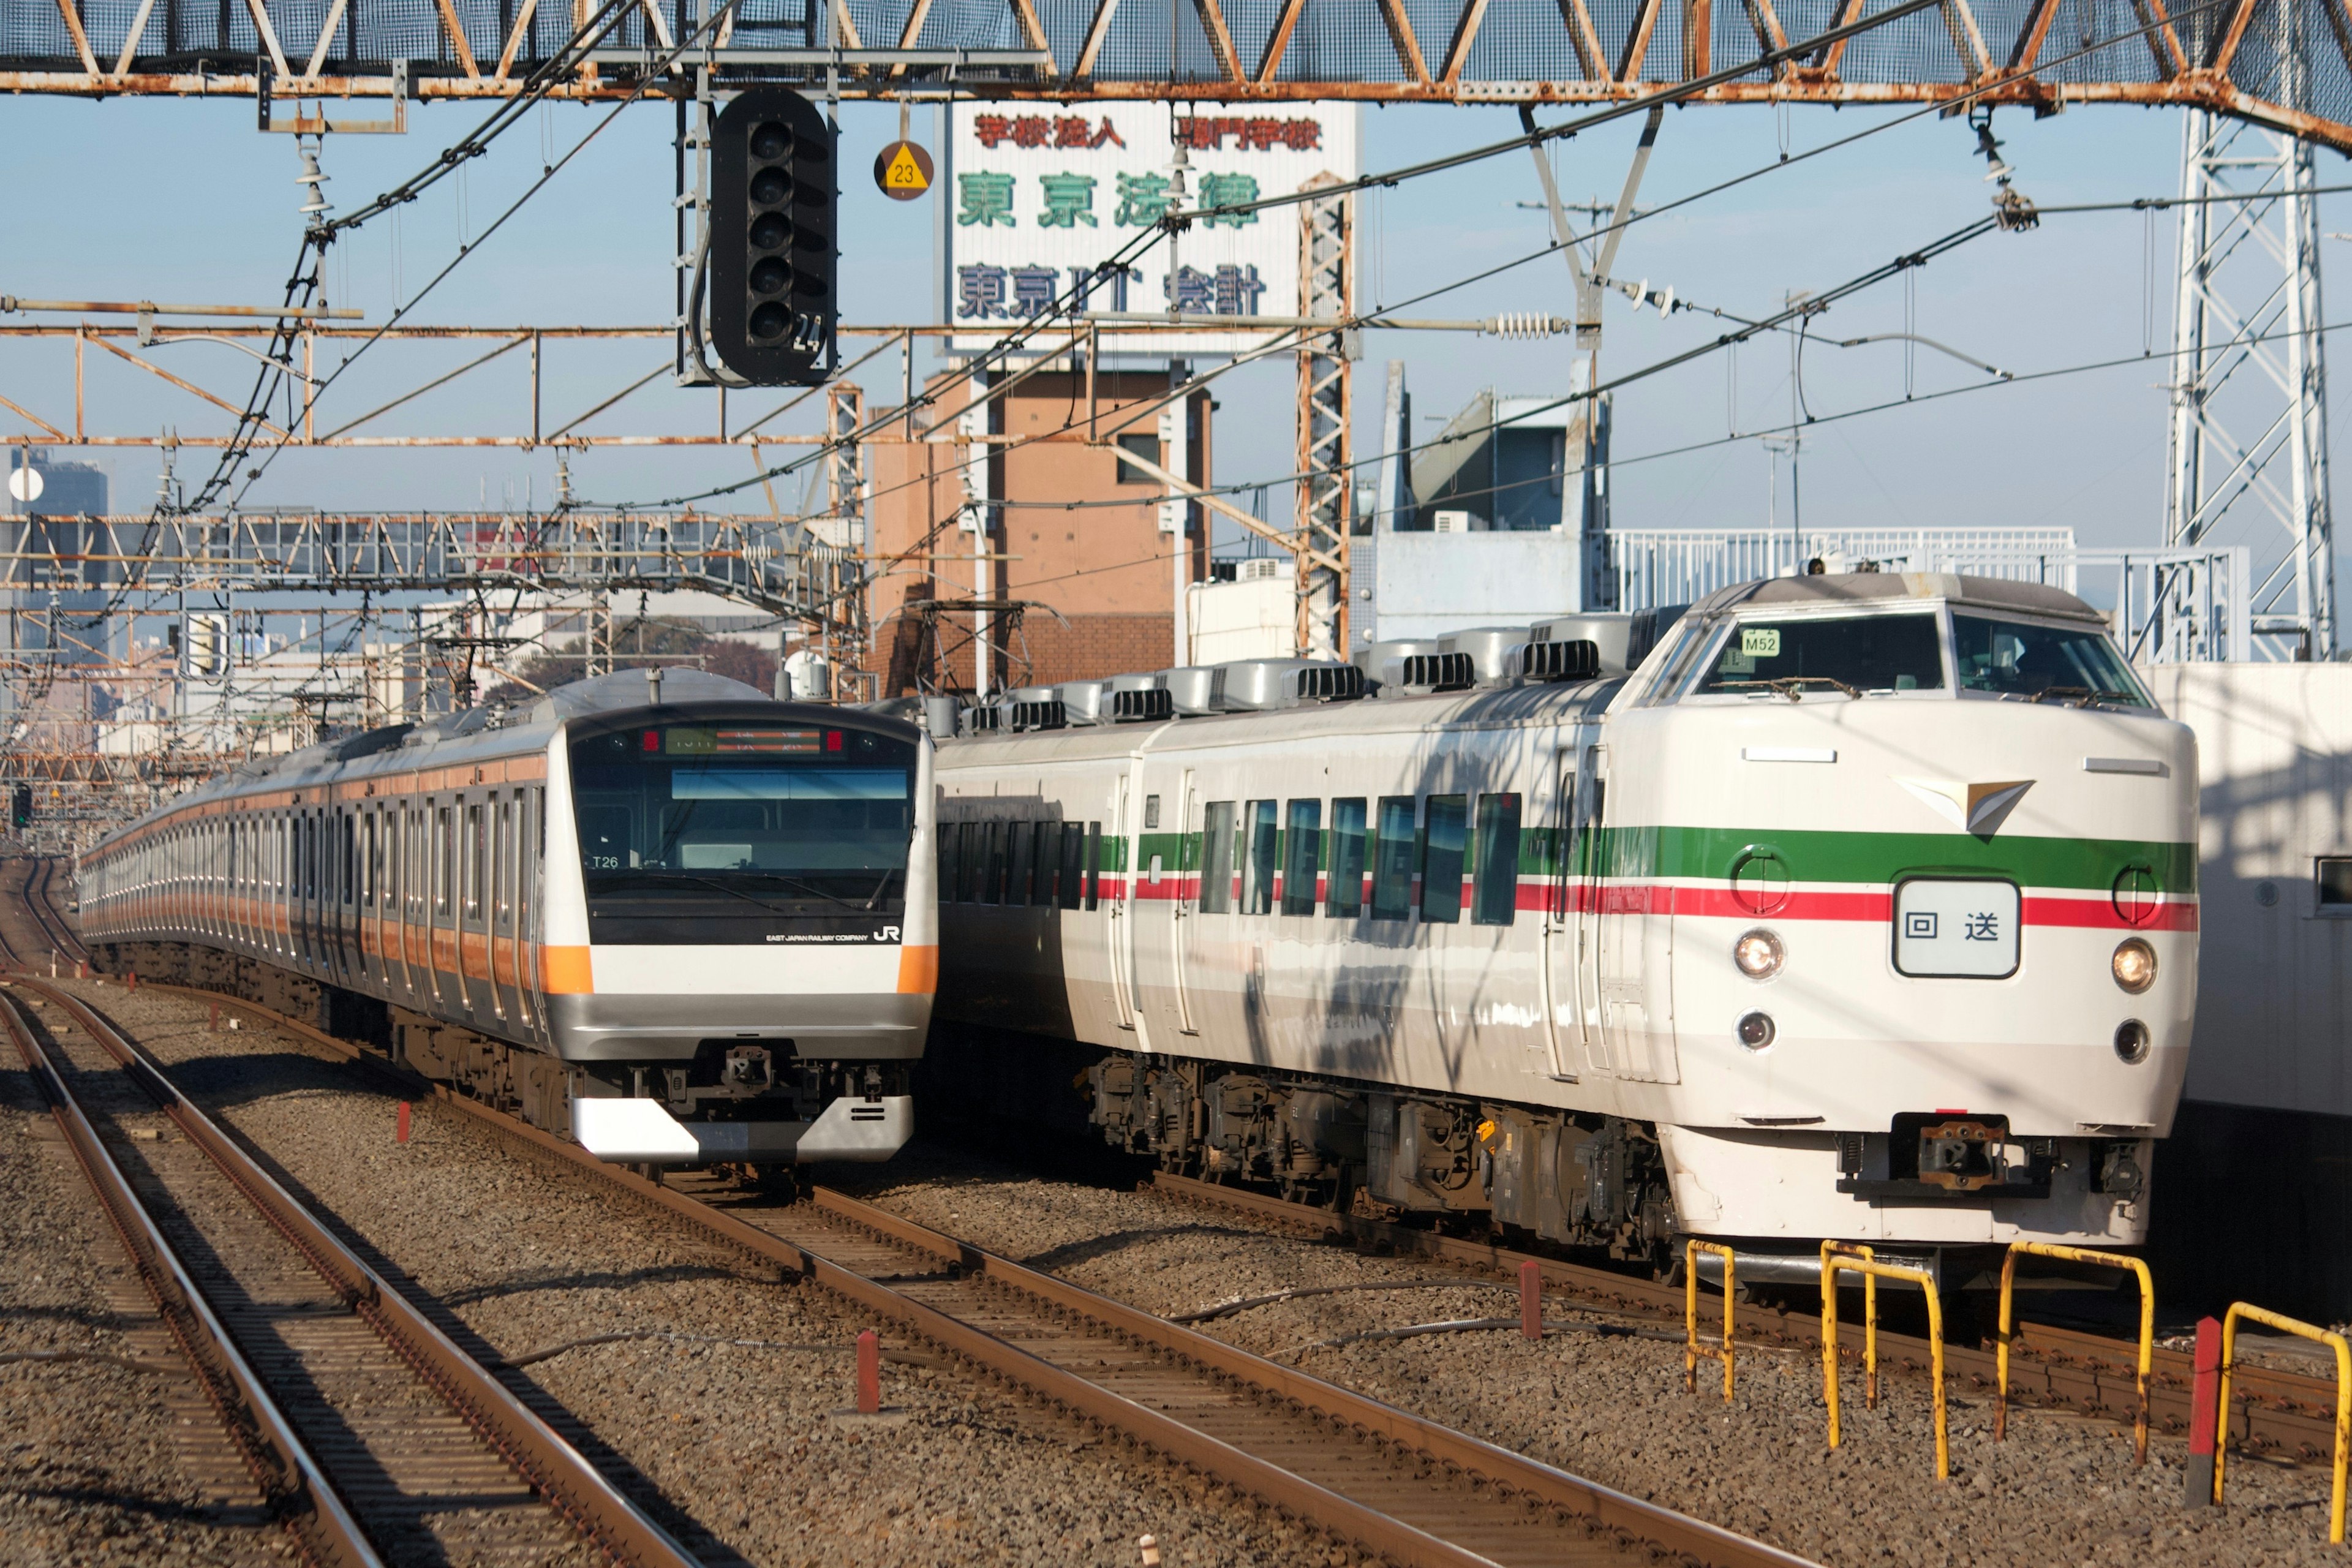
(1438,672)
(1038,715)
(1142,705)
(1578,659)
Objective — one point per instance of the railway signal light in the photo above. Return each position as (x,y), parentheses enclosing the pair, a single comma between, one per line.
(774,206)
(20,809)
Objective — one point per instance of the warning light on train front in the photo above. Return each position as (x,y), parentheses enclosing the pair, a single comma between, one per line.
(1756,1030)
(2134,965)
(1759,954)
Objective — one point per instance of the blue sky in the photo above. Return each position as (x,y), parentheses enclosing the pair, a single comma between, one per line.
(184,200)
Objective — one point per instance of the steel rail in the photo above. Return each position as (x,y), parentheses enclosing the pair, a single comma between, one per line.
(559,1472)
(2286,1414)
(1530,1481)
(291,1481)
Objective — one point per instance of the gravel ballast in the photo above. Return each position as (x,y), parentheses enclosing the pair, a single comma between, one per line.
(731,1400)
(2060,1491)
(100,1461)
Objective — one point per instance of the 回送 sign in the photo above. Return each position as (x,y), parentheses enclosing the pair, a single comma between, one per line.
(1039,197)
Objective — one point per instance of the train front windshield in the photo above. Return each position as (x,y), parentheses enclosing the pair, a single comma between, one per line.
(740,823)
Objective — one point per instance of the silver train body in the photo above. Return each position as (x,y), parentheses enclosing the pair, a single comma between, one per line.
(680,922)
(1865,908)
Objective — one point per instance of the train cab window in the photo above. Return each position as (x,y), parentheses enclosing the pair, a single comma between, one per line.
(2022,659)
(1494,861)
(1852,653)
(1261,856)
(1094,865)
(1021,862)
(1217,858)
(1302,859)
(1441,853)
(1393,853)
(1070,889)
(1345,898)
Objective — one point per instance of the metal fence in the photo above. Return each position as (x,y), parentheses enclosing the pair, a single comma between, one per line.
(2166,606)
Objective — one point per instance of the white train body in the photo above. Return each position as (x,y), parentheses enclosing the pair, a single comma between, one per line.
(680,922)
(1532,1004)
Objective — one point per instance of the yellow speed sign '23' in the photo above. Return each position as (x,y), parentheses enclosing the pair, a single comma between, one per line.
(902,170)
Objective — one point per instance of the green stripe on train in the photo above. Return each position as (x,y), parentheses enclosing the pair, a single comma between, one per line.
(1810,856)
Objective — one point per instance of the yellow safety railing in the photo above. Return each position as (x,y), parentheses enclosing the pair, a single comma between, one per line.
(1839,1258)
(2147,1328)
(1692,1349)
(2343,1349)
(1869,1316)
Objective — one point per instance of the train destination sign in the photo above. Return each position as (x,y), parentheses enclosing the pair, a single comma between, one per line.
(1037,200)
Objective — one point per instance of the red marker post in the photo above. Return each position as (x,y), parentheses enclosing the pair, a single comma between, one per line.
(213,1027)
(2204,1413)
(869,1374)
(1531,1300)
(400,1127)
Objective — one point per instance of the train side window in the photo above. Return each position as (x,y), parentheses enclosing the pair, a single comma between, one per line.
(1392,858)
(1094,865)
(1049,864)
(351,860)
(2332,875)
(441,859)
(504,861)
(992,866)
(1217,858)
(1020,863)
(974,850)
(477,861)
(1345,898)
(371,868)
(1263,851)
(1494,861)
(950,848)
(1441,853)
(1071,889)
(1302,860)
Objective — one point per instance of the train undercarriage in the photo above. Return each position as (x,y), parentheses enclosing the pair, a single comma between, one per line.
(755,1087)
(1573,1179)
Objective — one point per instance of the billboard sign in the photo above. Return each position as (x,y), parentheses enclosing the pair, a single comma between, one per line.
(1040,198)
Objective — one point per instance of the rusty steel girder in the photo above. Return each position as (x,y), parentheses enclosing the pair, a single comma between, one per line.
(2287,63)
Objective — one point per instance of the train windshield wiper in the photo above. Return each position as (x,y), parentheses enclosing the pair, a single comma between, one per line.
(881,887)
(2079,695)
(1791,685)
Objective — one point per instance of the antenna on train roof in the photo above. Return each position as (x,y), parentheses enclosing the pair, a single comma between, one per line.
(652,685)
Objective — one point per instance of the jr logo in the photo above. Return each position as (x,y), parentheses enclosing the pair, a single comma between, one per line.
(888,933)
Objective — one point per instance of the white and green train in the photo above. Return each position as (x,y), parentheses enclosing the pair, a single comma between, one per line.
(1865,908)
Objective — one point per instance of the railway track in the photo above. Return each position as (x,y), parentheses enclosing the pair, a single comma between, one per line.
(1408,1490)
(32,927)
(372,1435)
(2284,1414)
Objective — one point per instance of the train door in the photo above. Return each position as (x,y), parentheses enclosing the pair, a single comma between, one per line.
(525,902)
(1183,898)
(1566,934)
(1119,926)
(1635,926)
(473,906)
(440,904)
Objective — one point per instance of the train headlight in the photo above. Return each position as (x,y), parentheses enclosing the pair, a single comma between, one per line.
(1759,954)
(1756,1030)
(2134,965)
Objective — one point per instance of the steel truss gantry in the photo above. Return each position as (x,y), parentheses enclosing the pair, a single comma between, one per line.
(2208,54)
(2249,437)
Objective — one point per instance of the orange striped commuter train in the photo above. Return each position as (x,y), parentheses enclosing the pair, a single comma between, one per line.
(665,915)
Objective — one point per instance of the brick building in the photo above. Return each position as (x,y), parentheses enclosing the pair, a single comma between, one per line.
(1067,592)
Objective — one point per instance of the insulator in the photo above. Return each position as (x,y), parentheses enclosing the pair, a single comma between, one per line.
(1525,324)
